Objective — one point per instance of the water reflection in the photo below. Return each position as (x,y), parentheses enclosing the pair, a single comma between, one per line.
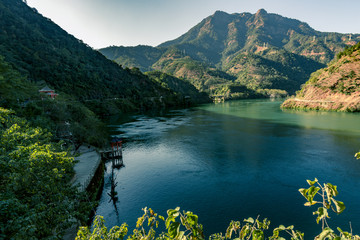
(270,111)
(236,160)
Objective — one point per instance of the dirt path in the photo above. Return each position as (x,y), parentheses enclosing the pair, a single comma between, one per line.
(311,101)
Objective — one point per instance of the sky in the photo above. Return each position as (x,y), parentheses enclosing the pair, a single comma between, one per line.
(102,23)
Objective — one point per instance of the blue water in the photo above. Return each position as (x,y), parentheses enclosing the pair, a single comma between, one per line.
(236,160)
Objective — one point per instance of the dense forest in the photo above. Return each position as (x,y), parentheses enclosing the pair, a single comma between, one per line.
(38,53)
(46,54)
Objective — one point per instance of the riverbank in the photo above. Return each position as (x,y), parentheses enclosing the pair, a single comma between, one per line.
(316,98)
(88,167)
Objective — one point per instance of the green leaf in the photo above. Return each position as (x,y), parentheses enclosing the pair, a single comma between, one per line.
(174,229)
(322,214)
(312,191)
(181,235)
(249,220)
(282,227)
(303,192)
(324,234)
(309,193)
(340,206)
(244,231)
(168,221)
(311,183)
(192,219)
(173,212)
(331,190)
(310,203)
(258,235)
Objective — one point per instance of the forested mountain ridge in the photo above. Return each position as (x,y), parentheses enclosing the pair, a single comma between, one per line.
(35,52)
(221,41)
(45,53)
(335,88)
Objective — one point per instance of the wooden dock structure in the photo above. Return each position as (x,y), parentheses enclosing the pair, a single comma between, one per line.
(114,153)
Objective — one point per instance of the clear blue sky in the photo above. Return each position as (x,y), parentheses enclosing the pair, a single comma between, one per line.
(101,23)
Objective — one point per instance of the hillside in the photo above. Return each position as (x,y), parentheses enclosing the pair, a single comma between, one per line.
(44,53)
(279,52)
(35,52)
(335,88)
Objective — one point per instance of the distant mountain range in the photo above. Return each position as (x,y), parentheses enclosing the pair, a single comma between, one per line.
(335,88)
(260,51)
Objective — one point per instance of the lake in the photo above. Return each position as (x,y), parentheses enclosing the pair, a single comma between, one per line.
(235,160)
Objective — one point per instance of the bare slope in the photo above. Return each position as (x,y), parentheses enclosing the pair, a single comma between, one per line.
(336,87)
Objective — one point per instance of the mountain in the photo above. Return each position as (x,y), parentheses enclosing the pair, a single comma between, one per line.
(47,55)
(140,56)
(35,52)
(259,51)
(335,88)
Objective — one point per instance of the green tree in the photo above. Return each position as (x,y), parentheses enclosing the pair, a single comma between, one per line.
(37,200)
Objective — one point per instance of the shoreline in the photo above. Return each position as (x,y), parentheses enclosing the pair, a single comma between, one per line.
(89,177)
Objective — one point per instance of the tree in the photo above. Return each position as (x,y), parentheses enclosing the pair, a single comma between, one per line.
(36,197)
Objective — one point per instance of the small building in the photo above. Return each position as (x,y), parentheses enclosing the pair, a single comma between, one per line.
(48,91)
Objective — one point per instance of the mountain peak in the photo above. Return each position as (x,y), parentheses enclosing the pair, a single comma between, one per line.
(220,14)
(261,12)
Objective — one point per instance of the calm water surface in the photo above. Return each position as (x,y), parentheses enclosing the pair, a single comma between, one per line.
(236,160)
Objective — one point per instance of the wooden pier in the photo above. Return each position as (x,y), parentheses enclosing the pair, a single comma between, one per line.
(111,153)
(114,153)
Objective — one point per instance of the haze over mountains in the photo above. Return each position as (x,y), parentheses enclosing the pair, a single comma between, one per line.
(225,52)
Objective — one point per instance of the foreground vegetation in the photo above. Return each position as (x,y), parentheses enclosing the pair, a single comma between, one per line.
(37,200)
(185,225)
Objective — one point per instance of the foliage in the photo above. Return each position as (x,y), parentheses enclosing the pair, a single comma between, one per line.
(326,193)
(44,53)
(348,50)
(14,88)
(189,228)
(17,93)
(37,199)
(100,231)
(182,88)
(140,56)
